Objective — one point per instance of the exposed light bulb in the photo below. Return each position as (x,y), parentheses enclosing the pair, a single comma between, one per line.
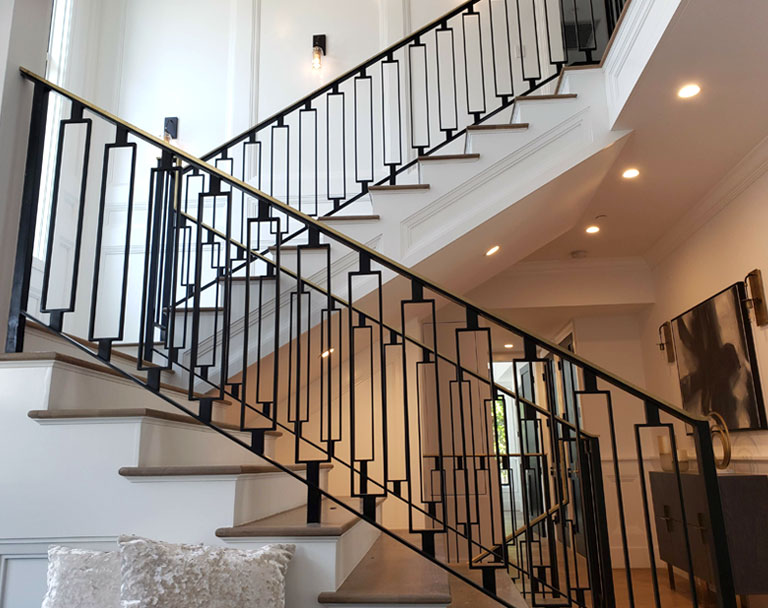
(317,58)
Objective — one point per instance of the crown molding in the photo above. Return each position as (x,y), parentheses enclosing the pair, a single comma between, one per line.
(748,170)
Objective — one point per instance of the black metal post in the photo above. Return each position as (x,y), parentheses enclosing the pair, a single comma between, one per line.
(22,269)
(721,559)
(314,497)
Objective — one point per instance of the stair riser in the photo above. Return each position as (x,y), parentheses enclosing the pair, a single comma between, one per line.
(68,387)
(244,498)
(496,144)
(535,111)
(39,340)
(68,485)
(320,563)
(312,260)
(168,443)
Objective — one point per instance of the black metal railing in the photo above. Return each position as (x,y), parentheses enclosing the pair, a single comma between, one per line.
(369,126)
(536,464)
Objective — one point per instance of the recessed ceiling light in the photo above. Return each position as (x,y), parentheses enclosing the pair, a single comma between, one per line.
(630,173)
(689,90)
(509,346)
(492,250)
(593,229)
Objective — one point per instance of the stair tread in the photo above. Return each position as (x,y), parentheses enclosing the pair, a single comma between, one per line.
(473,156)
(134,412)
(335,520)
(500,127)
(550,96)
(393,188)
(261,277)
(219,469)
(94,345)
(89,365)
(192,308)
(333,218)
(390,573)
(322,247)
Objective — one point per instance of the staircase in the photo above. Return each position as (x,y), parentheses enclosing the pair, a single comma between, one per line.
(257,337)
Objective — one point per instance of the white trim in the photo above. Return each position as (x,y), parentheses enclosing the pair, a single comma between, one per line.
(752,167)
(34,544)
(412,231)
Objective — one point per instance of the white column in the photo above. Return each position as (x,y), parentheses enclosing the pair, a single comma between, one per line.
(24,27)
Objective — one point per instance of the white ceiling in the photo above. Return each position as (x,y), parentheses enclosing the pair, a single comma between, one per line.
(681,147)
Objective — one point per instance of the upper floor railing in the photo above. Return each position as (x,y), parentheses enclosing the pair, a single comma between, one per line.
(370,125)
(529,461)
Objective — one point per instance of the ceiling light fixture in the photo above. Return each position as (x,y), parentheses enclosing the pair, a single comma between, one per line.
(593,229)
(688,91)
(327,353)
(630,173)
(492,250)
(509,346)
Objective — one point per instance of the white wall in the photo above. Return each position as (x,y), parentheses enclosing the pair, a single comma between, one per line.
(222,65)
(720,242)
(192,59)
(286,74)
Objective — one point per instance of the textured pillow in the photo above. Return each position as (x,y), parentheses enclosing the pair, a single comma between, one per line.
(82,579)
(195,576)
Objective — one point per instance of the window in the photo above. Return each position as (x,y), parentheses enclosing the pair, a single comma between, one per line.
(55,71)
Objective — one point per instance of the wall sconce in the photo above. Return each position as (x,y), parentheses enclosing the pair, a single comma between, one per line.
(665,341)
(170,128)
(318,51)
(756,301)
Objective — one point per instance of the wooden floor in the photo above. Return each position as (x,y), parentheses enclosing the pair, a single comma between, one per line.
(642,587)
(464,596)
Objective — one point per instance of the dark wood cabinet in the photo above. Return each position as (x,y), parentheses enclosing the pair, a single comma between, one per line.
(745,507)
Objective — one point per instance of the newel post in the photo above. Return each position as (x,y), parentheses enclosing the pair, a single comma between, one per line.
(22,268)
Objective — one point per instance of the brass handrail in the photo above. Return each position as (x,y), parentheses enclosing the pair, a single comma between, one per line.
(380,259)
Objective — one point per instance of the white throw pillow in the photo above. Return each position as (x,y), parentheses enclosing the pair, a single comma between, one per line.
(195,576)
(78,578)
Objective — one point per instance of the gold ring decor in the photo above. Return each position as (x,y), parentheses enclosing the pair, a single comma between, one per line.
(720,429)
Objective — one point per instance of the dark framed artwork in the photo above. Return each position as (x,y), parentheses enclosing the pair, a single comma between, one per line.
(716,360)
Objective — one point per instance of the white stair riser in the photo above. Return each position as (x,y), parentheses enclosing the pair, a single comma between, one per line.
(248,497)
(493,145)
(169,443)
(39,340)
(260,290)
(69,386)
(323,561)
(312,260)
(161,442)
(69,486)
(539,110)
